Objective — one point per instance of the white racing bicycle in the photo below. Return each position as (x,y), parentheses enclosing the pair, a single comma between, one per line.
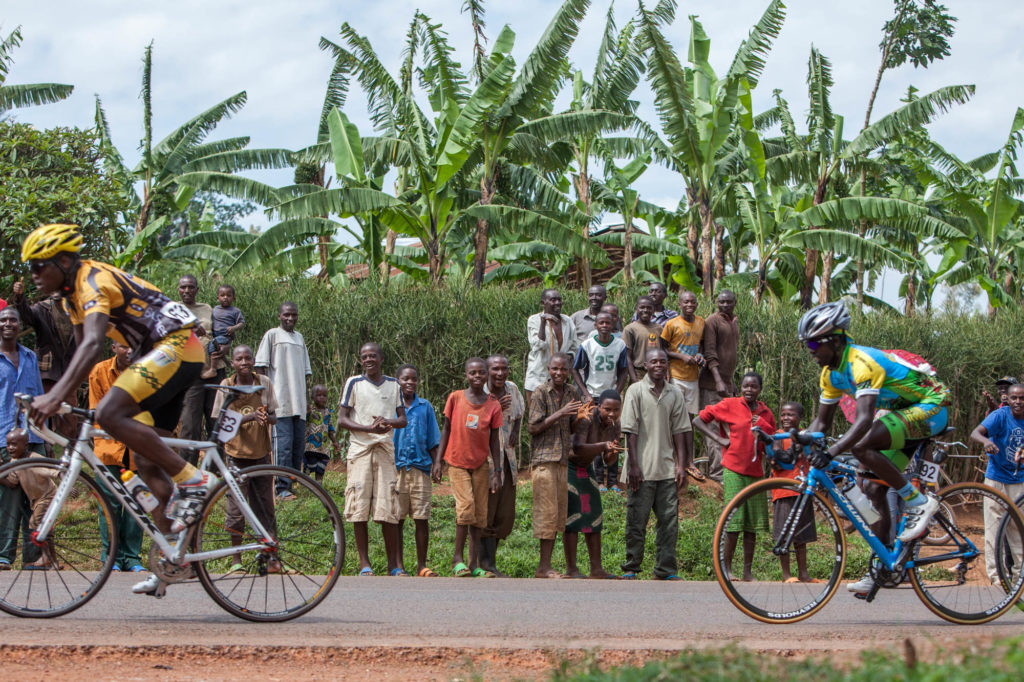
(271,570)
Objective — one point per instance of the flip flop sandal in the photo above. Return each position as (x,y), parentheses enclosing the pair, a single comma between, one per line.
(695,473)
(139,568)
(115,569)
(235,568)
(791,579)
(427,573)
(483,573)
(398,573)
(461,570)
(366,571)
(629,575)
(672,576)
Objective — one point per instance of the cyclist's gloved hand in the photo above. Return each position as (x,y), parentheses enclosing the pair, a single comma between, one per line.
(820,457)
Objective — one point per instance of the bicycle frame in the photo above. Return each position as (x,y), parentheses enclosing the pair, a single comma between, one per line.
(80,451)
(894,559)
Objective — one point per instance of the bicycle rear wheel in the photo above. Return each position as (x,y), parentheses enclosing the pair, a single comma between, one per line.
(817,543)
(44,582)
(959,580)
(279,584)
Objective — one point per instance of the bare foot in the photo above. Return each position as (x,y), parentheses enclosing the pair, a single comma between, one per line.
(574,573)
(549,573)
(748,578)
(601,574)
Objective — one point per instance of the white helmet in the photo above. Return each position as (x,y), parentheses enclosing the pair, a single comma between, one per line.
(823,320)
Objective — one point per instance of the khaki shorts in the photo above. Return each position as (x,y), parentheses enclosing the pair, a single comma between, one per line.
(371,494)
(550,499)
(691,395)
(471,488)
(413,494)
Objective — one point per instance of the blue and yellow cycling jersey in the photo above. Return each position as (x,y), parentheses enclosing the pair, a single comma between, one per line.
(869,371)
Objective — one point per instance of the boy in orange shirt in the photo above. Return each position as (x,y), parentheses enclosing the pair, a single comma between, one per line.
(471,432)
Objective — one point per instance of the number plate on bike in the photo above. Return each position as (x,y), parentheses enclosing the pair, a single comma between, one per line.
(930,472)
(229,423)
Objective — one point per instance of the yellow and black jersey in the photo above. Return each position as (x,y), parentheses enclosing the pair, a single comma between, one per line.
(140,314)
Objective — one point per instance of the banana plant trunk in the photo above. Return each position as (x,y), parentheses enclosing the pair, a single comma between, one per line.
(630,200)
(389,250)
(828,262)
(762,282)
(582,182)
(691,232)
(482,236)
(707,232)
(719,251)
(811,255)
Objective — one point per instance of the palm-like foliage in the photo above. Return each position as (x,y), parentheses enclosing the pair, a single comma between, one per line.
(24,95)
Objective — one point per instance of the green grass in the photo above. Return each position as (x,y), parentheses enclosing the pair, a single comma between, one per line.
(999,661)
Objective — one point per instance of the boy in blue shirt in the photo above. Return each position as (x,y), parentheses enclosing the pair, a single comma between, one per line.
(415,453)
(1002,435)
(319,429)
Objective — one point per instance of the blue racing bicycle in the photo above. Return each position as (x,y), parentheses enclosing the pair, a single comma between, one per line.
(793,522)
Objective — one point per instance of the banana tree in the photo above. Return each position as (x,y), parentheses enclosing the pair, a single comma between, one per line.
(989,215)
(700,112)
(28,94)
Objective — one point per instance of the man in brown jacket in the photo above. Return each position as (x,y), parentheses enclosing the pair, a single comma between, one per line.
(721,342)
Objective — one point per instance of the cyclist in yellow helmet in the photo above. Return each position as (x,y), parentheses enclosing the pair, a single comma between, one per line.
(102,300)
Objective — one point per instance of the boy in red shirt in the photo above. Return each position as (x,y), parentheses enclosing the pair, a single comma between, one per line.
(742,461)
(471,431)
(783,500)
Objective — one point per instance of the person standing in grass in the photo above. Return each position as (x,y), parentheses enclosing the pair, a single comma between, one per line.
(555,410)
(613,310)
(415,453)
(721,343)
(319,430)
(250,447)
(282,356)
(501,505)
(790,416)
(598,441)
(114,455)
(681,338)
(742,462)
(640,336)
(371,406)
(655,421)
(471,432)
(585,319)
(547,332)
(600,366)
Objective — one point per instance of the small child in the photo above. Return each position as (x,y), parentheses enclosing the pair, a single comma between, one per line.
(39,487)
(471,432)
(741,462)
(600,366)
(251,446)
(598,442)
(319,423)
(227,319)
(415,454)
(641,336)
(783,500)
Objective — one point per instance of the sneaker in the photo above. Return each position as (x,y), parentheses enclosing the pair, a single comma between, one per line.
(147,586)
(918,518)
(862,586)
(187,501)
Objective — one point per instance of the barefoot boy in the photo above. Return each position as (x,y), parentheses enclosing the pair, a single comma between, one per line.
(251,446)
(371,406)
(471,433)
(553,419)
(598,441)
(415,453)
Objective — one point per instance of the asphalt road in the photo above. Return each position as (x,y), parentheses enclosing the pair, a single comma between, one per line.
(451,612)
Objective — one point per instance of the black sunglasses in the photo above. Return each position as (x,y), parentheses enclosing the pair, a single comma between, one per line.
(815,344)
(37,266)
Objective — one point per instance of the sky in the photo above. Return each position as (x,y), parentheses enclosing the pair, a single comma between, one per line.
(207,51)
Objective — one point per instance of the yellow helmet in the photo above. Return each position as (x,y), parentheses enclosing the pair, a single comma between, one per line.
(46,241)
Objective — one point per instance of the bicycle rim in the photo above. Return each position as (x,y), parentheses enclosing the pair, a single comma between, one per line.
(81,564)
(963,585)
(282,584)
(1008,559)
(767,595)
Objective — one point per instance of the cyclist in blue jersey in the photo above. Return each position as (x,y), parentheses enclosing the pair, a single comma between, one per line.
(914,400)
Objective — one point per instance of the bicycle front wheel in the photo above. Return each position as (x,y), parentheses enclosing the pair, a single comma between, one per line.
(959,580)
(53,578)
(282,583)
(767,586)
